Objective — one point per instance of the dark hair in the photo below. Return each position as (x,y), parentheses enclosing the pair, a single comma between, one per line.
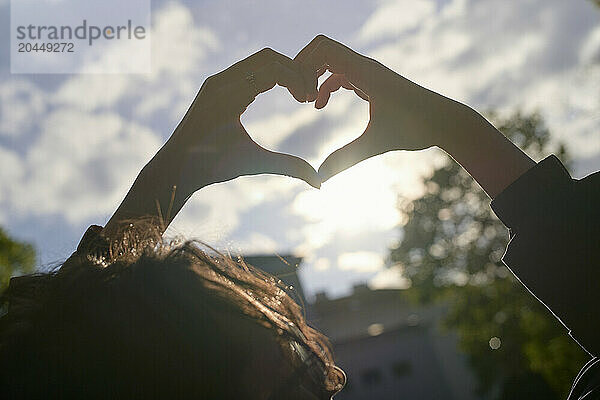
(144,318)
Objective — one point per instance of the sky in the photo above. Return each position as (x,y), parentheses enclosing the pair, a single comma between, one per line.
(72,144)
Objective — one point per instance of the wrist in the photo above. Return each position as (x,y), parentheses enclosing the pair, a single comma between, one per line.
(436,119)
(485,153)
(462,129)
(164,171)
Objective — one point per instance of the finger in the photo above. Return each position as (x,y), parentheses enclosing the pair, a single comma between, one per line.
(331,84)
(311,80)
(345,157)
(288,165)
(306,50)
(325,52)
(237,95)
(309,68)
(310,73)
(346,84)
(276,73)
(258,60)
(361,94)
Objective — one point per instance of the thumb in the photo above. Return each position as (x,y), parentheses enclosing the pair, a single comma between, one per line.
(345,157)
(285,164)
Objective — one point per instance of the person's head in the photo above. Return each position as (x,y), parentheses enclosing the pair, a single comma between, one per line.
(148,319)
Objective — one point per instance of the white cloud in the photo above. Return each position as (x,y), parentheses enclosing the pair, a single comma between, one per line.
(590,50)
(540,55)
(273,129)
(179,46)
(92,91)
(270,129)
(82,164)
(390,278)
(178,53)
(360,261)
(351,116)
(213,213)
(84,155)
(322,264)
(395,17)
(22,105)
(255,243)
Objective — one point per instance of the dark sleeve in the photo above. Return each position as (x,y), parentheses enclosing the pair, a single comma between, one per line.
(554,242)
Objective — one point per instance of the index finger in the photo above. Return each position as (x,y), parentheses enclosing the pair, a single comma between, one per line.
(323,52)
(255,62)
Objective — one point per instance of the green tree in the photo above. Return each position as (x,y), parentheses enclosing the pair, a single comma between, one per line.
(451,250)
(15,258)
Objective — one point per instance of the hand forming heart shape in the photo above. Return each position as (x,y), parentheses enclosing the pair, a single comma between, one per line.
(210,144)
(217,147)
(403,115)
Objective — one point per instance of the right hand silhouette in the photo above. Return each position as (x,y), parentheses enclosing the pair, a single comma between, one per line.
(403,115)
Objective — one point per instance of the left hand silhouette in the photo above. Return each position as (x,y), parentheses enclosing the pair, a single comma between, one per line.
(211,145)
(403,115)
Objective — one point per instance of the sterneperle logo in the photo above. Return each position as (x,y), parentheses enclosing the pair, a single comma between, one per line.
(84,31)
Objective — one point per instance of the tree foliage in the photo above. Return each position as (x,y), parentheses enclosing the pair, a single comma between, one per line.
(451,250)
(15,258)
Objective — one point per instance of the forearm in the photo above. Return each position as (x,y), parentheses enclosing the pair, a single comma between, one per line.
(157,194)
(485,153)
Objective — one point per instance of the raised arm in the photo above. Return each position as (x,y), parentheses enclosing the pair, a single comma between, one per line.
(210,144)
(554,220)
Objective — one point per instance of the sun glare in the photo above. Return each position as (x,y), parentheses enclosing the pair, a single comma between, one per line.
(359,199)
